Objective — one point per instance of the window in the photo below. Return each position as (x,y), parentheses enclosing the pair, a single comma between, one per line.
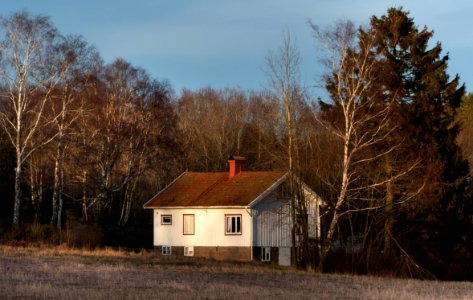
(188,224)
(166,220)
(266,254)
(166,250)
(189,251)
(232,224)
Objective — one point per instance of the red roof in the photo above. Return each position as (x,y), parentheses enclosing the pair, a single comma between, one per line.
(214,189)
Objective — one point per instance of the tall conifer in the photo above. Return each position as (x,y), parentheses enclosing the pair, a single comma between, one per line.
(434,222)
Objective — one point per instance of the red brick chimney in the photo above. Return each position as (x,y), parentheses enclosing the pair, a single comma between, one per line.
(235,164)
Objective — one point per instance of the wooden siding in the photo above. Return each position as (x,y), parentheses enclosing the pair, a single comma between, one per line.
(272,221)
(313,206)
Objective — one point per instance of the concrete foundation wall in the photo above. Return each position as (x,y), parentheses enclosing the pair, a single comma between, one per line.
(217,253)
(280,256)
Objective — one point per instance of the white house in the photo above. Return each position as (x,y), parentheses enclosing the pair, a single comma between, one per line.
(235,215)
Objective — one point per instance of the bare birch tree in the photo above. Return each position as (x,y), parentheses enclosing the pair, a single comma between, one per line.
(75,61)
(28,80)
(282,70)
(363,123)
(115,140)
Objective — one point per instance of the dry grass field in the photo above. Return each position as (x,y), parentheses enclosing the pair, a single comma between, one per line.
(60,273)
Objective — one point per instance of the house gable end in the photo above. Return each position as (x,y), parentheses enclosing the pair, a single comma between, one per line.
(309,192)
(268,191)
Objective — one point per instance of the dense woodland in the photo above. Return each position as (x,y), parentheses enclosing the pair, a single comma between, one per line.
(84,143)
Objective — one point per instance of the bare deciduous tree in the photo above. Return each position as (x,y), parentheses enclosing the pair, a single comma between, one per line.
(212,123)
(28,79)
(282,70)
(362,123)
(76,63)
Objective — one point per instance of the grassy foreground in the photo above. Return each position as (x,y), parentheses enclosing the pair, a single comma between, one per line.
(110,274)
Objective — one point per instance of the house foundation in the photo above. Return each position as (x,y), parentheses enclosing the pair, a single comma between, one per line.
(217,252)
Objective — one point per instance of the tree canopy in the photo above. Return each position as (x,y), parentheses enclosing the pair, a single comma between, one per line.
(86,142)
(409,166)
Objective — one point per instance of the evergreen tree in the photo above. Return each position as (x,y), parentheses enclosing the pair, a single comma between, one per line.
(407,192)
(435,221)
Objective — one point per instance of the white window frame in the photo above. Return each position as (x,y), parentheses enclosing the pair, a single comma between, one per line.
(166,250)
(266,254)
(189,251)
(164,222)
(190,228)
(233,228)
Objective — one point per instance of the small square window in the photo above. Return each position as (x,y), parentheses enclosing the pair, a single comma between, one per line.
(166,250)
(232,224)
(189,251)
(166,220)
(266,254)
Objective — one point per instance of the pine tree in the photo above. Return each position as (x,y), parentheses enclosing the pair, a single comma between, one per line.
(433,223)
(406,193)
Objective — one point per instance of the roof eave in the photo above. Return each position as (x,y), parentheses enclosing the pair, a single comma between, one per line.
(268,190)
(145,206)
(201,207)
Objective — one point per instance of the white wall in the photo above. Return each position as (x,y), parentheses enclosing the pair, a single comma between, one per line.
(209,228)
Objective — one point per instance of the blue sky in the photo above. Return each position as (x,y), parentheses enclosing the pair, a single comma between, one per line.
(223,43)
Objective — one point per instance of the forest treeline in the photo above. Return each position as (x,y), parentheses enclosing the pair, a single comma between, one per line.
(84,143)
